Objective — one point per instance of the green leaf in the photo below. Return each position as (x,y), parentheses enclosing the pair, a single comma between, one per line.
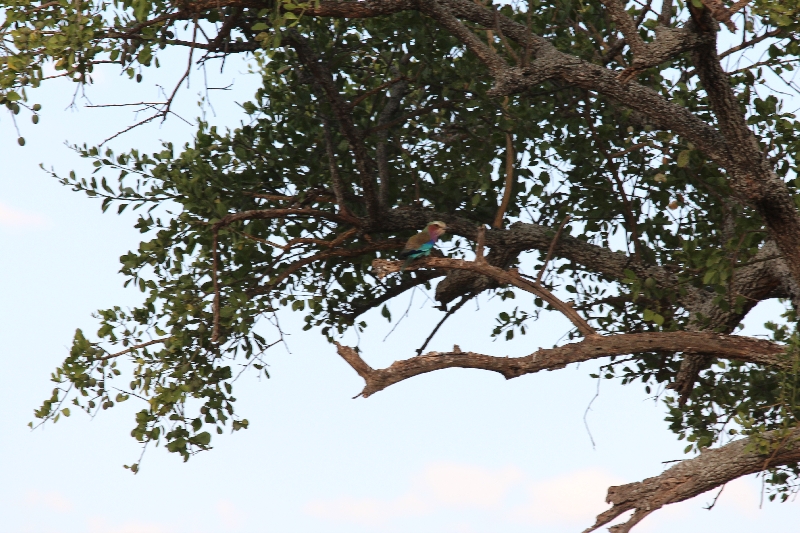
(203,438)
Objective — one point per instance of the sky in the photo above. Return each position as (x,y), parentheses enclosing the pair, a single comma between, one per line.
(456,451)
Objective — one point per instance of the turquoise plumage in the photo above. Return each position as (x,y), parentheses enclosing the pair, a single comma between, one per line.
(421,244)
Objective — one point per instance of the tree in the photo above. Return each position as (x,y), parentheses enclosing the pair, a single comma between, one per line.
(612,151)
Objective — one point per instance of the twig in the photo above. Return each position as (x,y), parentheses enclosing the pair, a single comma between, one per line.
(589,408)
(404,315)
(713,503)
(132,348)
(43,6)
(751,42)
(551,249)
(148,104)
(446,316)
(215,279)
(382,267)
(376,90)
(479,248)
(503,39)
(630,149)
(501,211)
(185,74)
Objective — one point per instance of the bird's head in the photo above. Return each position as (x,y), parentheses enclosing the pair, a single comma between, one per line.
(437,228)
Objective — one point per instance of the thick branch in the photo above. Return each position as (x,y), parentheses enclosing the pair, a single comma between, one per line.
(507,244)
(625,24)
(750,173)
(766,274)
(692,477)
(398,89)
(594,347)
(265,214)
(383,267)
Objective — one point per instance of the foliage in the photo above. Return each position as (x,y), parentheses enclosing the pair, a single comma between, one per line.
(412,92)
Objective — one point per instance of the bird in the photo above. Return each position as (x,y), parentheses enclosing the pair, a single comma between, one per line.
(421,244)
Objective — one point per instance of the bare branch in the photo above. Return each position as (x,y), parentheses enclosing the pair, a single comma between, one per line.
(447,315)
(630,149)
(594,347)
(383,267)
(692,477)
(751,42)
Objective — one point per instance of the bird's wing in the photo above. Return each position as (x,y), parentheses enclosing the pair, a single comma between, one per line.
(415,242)
(421,251)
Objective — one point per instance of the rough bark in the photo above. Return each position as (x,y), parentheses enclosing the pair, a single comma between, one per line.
(693,344)
(711,469)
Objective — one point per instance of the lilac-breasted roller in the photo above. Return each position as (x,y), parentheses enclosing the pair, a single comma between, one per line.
(421,244)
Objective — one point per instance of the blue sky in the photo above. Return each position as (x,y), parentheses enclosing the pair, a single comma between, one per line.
(455,451)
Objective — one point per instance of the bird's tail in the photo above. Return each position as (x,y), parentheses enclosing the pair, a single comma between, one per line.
(406,263)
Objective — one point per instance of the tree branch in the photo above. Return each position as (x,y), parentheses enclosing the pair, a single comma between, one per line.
(692,477)
(510,159)
(132,348)
(324,79)
(750,173)
(594,347)
(626,25)
(382,267)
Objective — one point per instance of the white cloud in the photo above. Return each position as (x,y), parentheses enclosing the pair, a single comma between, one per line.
(54,501)
(368,511)
(506,495)
(469,486)
(438,486)
(14,218)
(575,497)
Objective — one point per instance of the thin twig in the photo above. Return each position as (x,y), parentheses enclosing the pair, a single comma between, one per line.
(446,316)
(215,279)
(132,348)
(404,315)
(589,408)
(552,249)
(630,149)
(148,104)
(713,503)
